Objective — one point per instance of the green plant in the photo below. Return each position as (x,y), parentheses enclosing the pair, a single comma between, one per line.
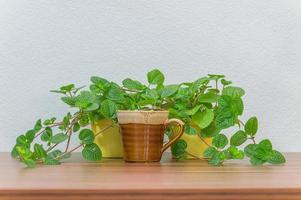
(39,144)
(212,110)
(200,103)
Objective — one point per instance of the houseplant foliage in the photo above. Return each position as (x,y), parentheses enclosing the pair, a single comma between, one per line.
(40,144)
(213,105)
(208,106)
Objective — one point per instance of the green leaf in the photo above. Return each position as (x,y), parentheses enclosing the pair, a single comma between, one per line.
(92,152)
(276,158)
(151,94)
(39,151)
(38,126)
(266,145)
(84,99)
(234,92)
(108,108)
(220,141)
(115,94)
(30,135)
(51,161)
(251,126)
(225,115)
(225,82)
(209,152)
(179,148)
(22,141)
(14,153)
(132,84)
(86,136)
(76,127)
(67,88)
(69,100)
(98,80)
(84,120)
(58,138)
(256,161)
(238,138)
(47,134)
(215,76)
(224,121)
(169,90)
(210,131)
(261,153)
(215,160)
(190,130)
(193,110)
(203,119)
(195,86)
(24,152)
(54,154)
(50,121)
(208,98)
(30,163)
(222,155)
(155,77)
(66,122)
(250,149)
(235,153)
(237,106)
(57,154)
(91,107)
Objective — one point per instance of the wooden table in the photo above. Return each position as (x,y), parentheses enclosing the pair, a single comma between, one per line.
(114,179)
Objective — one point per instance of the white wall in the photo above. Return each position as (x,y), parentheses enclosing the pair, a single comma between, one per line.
(256,43)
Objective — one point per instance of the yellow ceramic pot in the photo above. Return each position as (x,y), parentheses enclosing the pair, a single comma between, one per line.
(195,145)
(110,141)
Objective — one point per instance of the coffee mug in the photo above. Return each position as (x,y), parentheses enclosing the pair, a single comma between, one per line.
(142,134)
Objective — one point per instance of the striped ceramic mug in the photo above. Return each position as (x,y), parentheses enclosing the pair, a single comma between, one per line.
(143,132)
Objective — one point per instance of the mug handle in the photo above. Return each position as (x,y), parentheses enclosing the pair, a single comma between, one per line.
(179,134)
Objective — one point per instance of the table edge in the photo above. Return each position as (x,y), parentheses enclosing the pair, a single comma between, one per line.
(166,194)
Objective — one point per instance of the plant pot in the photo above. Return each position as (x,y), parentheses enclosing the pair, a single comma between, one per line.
(110,141)
(143,132)
(195,145)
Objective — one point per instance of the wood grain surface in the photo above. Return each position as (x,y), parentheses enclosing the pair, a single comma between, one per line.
(115,179)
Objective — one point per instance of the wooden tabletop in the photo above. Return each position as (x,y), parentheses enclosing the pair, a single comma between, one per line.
(115,179)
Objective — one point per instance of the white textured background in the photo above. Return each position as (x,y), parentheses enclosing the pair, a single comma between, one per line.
(256,43)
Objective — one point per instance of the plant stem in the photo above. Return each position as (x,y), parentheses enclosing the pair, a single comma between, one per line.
(253,139)
(53,125)
(74,120)
(204,141)
(239,121)
(50,148)
(80,145)
(196,98)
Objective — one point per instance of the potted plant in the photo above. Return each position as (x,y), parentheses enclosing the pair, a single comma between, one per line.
(196,103)
(204,108)
(208,109)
